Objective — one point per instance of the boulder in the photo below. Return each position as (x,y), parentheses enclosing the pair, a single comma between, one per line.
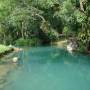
(15,59)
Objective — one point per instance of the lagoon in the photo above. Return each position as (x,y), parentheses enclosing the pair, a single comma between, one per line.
(49,68)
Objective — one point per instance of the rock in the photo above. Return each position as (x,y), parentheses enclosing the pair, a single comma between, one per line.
(69,48)
(72,46)
(15,59)
(17,49)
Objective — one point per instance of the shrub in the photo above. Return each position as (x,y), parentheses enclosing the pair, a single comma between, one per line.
(27,42)
(67,32)
(82,48)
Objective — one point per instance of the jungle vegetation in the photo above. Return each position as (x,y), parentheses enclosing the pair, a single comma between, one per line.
(35,22)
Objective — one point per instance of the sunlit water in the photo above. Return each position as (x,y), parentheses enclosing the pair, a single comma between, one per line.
(49,68)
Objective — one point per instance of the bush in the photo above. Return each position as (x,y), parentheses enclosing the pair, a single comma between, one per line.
(4,49)
(82,48)
(27,42)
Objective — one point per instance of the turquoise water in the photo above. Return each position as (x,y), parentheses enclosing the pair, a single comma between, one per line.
(50,68)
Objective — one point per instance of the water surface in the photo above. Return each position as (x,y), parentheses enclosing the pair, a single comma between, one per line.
(49,68)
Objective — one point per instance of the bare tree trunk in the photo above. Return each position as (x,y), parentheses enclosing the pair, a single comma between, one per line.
(22,29)
(81,5)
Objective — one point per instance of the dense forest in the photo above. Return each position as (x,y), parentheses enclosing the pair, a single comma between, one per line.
(35,22)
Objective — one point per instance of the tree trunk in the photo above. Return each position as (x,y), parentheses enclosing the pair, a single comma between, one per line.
(4,40)
(22,29)
(81,5)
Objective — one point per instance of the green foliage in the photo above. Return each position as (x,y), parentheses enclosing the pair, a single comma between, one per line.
(3,49)
(24,21)
(44,3)
(82,48)
(80,16)
(67,32)
(66,11)
(84,37)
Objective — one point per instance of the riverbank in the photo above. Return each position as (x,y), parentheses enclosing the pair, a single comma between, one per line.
(61,43)
(4,71)
(64,43)
(5,66)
